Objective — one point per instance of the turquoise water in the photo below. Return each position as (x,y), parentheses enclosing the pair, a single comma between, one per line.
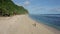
(52,20)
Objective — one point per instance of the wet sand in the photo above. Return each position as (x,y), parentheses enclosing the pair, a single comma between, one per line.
(22,24)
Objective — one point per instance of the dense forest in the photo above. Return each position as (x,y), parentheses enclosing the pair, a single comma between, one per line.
(8,8)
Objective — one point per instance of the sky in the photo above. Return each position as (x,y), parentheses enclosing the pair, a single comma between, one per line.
(40,6)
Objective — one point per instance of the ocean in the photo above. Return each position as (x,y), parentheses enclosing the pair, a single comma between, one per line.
(52,20)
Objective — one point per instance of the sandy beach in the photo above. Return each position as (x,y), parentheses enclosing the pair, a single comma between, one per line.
(22,24)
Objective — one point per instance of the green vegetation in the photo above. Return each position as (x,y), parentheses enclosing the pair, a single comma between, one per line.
(8,8)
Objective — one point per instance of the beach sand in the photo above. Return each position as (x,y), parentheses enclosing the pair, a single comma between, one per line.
(22,24)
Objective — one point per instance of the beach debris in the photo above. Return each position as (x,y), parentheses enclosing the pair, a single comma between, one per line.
(34,24)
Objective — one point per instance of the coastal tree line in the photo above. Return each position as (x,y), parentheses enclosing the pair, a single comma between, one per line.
(8,8)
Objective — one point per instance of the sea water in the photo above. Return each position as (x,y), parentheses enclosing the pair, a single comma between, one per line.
(52,20)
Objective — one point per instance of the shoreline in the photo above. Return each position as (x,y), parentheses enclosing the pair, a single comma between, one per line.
(46,23)
(23,24)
